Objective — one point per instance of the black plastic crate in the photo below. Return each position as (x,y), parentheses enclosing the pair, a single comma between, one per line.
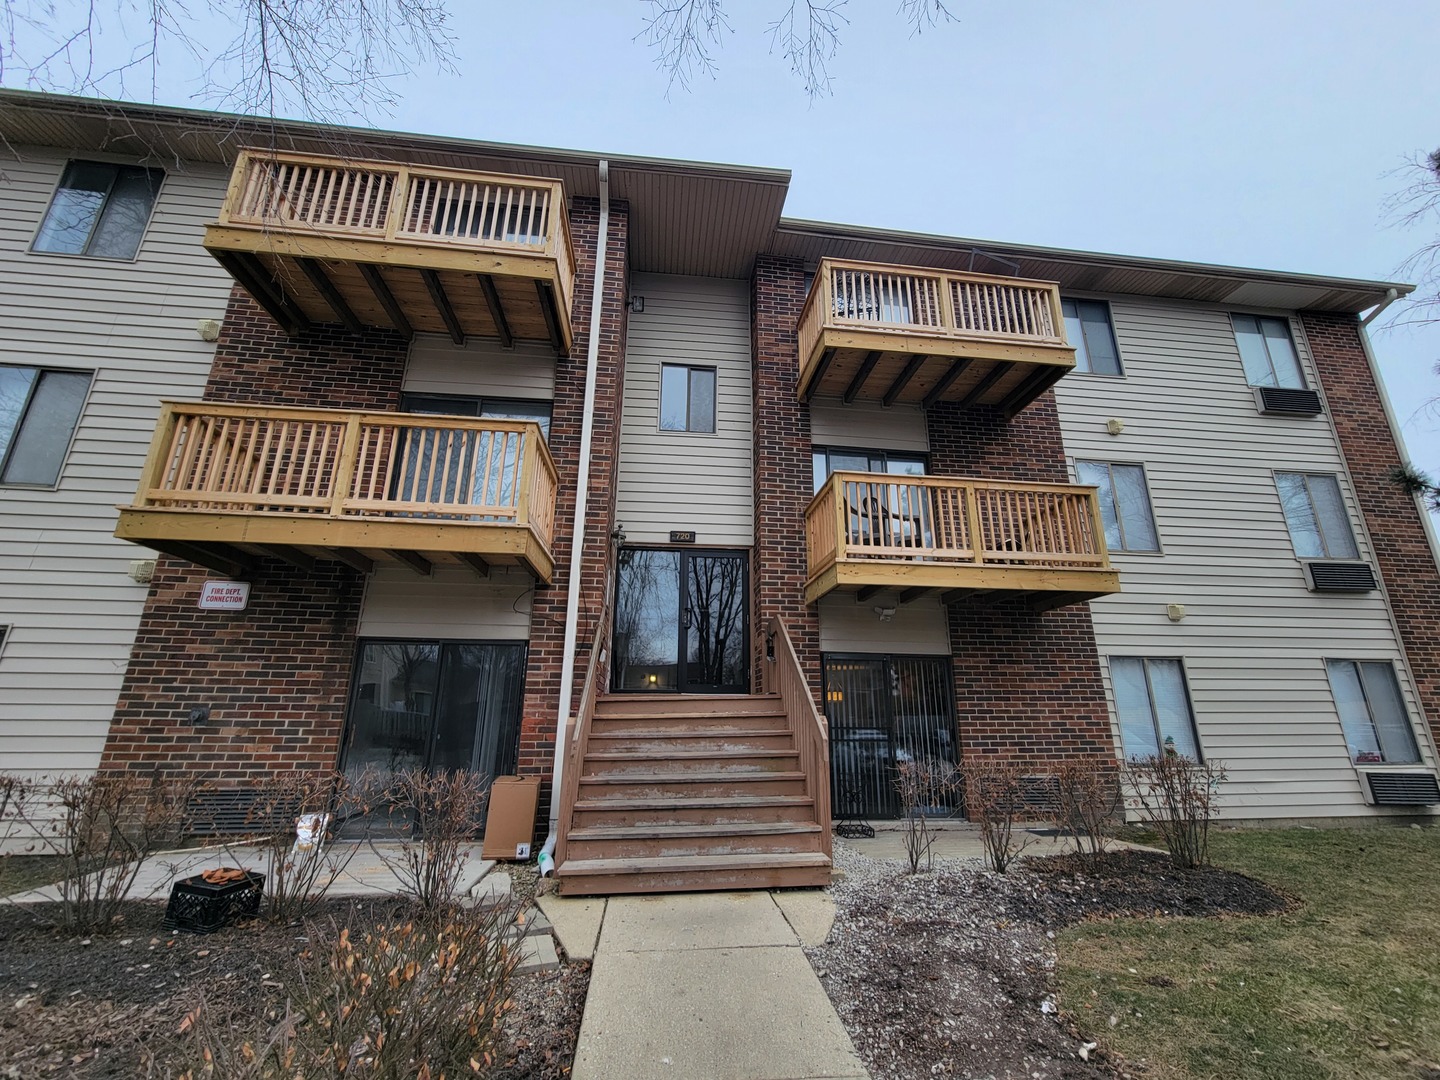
(199,907)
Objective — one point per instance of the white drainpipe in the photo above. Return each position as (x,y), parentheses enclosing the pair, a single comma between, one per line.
(577,543)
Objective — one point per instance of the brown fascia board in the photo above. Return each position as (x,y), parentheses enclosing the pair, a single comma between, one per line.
(1349,294)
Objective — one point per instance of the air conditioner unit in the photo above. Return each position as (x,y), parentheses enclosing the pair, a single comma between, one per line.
(1284,401)
(1349,577)
(1400,788)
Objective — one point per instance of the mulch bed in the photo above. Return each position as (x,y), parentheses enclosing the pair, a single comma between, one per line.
(102,1007)
(951,973)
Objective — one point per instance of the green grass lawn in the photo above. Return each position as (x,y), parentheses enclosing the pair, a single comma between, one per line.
(1346,986)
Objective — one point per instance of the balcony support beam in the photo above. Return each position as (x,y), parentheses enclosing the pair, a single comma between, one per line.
(475,563)
(382,292)
(937,391)
(551,310)
(913,594)
(247,270)
(814,384)
(294,556)
(353,559)
(865,593)
(858,382)
(952,596)
(1029,390)
(497,310)
(1041,602)
(413,559)
(326,288)
(996,373)
(443,305)
(902,380)
(222,558)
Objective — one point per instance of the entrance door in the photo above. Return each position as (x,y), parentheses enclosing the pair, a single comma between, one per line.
(883,711)
(681,621)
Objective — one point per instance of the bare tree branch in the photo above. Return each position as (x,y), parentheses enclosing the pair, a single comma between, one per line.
(685,35)
(807,36)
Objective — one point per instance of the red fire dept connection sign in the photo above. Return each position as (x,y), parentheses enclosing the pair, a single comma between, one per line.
(224,595)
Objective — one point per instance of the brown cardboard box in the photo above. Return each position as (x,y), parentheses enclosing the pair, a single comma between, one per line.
(511,819)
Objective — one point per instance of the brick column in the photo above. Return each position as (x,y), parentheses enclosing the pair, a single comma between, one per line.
(547,621)
(1027,684)
(276,677)
(1402,548)
(783,475)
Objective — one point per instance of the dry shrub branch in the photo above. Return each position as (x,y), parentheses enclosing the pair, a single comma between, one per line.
(925,788)
(994,799)
(1088,799)
(435,817)
(1176,796)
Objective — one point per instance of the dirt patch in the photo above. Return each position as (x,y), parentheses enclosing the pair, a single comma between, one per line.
(103,1007)
(1070,888)
(952,973)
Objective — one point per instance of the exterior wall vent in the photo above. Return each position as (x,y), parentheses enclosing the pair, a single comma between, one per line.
(1283,401)
(1353,577)
(1403,788)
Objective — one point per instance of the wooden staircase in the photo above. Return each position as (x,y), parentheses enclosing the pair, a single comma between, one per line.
(685,793)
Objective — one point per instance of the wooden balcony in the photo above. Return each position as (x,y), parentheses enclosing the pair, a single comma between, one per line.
(226,483)
(974,540)
(369,243)
(907,335)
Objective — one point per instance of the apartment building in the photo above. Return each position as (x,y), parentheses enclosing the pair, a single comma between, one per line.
(600,469)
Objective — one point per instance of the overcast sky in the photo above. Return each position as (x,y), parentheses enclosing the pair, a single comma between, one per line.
(1259,133)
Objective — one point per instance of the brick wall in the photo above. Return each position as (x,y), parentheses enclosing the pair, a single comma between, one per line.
(547,621)
(1392,518)
(783,475)
(275,676)
(1027,684)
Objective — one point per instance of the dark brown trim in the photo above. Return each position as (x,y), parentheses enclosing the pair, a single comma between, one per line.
(497,309)
(382,292)
(443,305)
(326,288)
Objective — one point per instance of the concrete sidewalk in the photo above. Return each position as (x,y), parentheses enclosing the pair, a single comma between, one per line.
(704,986)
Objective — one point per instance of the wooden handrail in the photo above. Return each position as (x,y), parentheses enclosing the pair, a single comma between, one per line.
(948,520)
(273,460)
(577,735)
(784,677)
(877,297)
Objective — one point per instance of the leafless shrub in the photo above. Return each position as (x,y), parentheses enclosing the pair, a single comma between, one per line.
(923,787)
(1177,796)
(434,818)
(421,999)
(1088,795)
(100,829)
(299,871)
(995,790)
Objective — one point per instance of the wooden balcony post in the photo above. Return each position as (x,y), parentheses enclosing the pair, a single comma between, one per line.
(526,472)
(399,202)
(947,304)
(972,523)
(345,466)
(160,454)
(842,524)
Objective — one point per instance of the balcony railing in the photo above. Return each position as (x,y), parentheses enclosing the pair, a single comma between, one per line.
(914,335)
(397,216)
(377,483)
(874,530)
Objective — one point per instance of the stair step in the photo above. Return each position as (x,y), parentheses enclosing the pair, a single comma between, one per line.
(699,802)
(686,755)
(687,829)
(698,706)
(690,777)
(693,873)
(689,733)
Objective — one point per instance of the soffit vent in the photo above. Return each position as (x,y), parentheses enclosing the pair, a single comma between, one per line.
(1340,577)
(1403,789)
(1283,401)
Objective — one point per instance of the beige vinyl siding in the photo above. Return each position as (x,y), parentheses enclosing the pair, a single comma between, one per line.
(450,604)
(866,426)
(678,479)
(1254,640)
(63,583)
(848,625)
(439,366)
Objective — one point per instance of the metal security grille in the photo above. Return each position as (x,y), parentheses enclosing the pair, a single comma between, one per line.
(884,710)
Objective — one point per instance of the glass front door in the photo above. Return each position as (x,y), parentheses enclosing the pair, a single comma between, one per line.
(681,622)
(885,710)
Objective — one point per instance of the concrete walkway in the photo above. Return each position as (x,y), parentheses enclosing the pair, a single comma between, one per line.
(704,986)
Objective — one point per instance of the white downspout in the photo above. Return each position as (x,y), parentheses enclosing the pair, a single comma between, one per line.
(577,544)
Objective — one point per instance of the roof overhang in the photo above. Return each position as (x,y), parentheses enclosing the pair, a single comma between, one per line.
(686,217)
(1084,271)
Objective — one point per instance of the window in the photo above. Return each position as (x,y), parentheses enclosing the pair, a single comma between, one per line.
(451,467)
(1315,514)
(1267,351)
(1372,713)
(100,210)
(39,409)
(1153,705)
(1124,504)
(1087,327)
(827,460)
(687,398)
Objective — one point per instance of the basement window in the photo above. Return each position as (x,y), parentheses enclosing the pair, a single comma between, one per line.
(99,209)
(1152,702)
(1372,712)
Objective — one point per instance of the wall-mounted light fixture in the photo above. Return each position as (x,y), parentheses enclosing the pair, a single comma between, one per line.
(1114,425)
(1175,612)
(199,714)
(141,571)
(770,646)
(637,305)
(208,329)
(885,613)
